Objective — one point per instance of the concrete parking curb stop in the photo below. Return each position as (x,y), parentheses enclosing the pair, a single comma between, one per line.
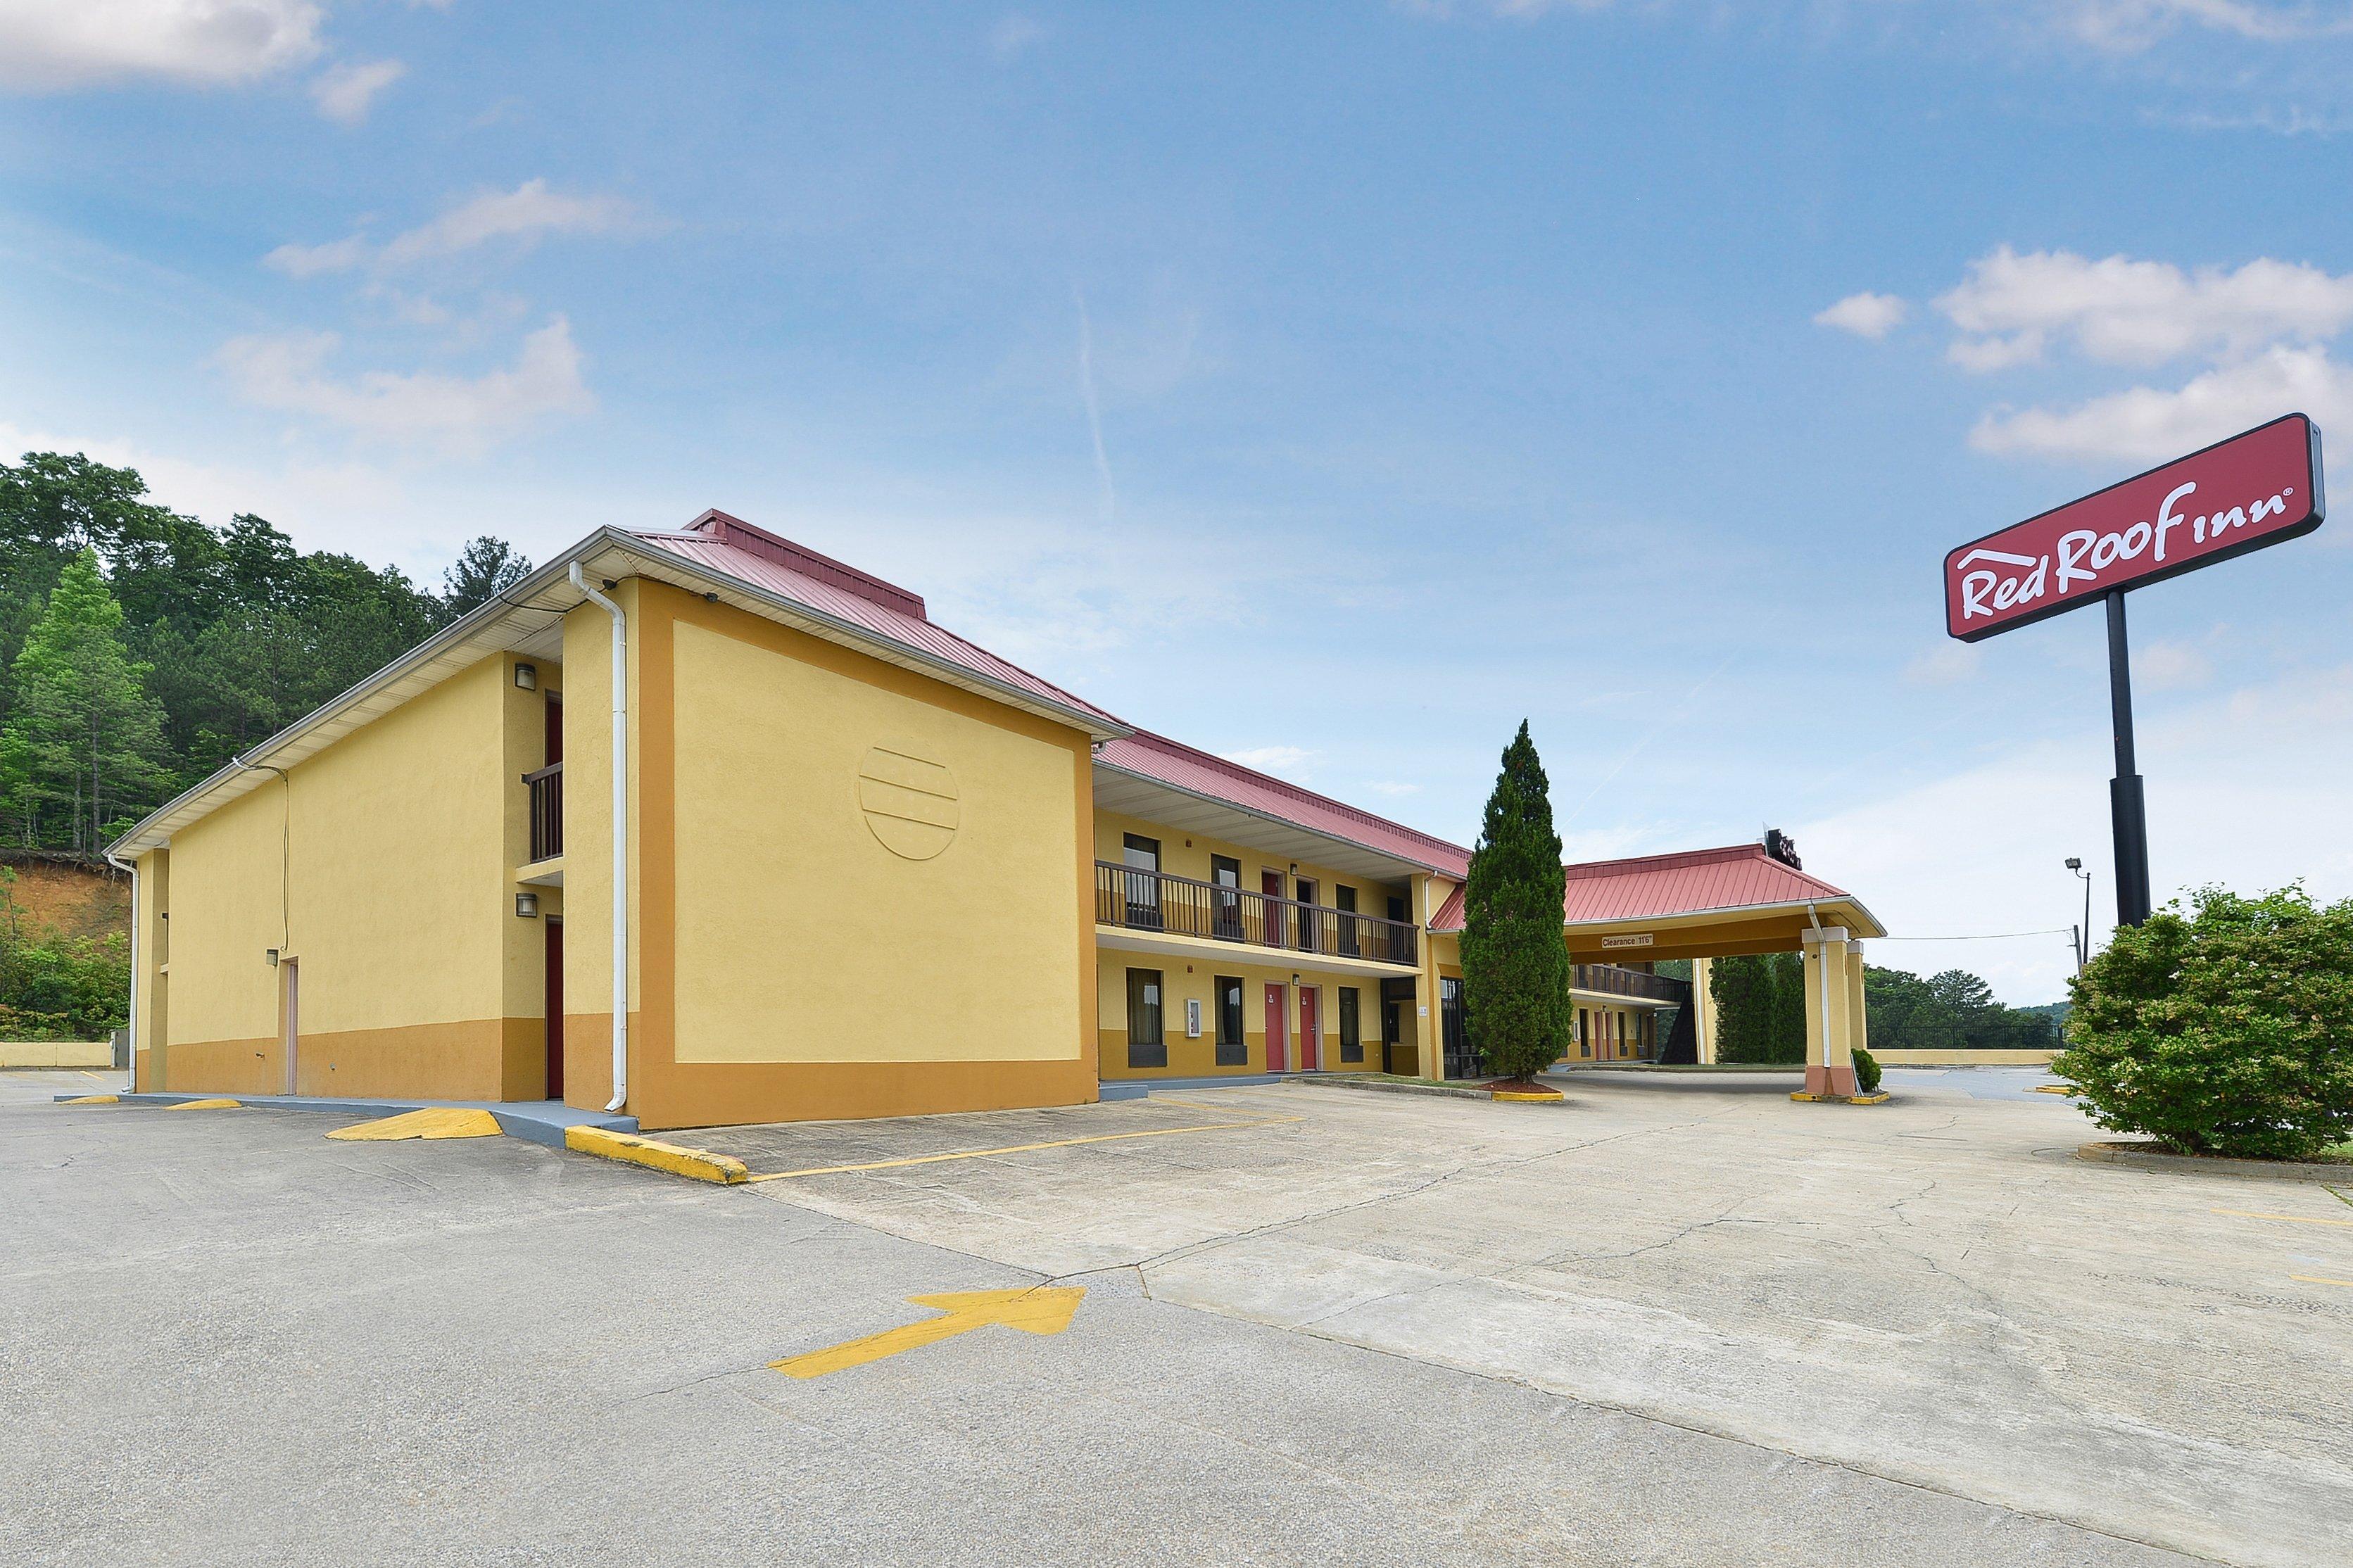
(2147,1157)
(676,1159)
(1386,1086)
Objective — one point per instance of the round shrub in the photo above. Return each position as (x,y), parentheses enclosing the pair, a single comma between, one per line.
(2224,1029)
(1866,1072)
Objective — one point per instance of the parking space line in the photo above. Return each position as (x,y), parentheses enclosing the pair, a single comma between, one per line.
(2317,1279)
(2291,1219)
(1014,1148)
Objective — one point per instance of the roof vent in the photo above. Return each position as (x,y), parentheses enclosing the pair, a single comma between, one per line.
(1780,846)
(734,533)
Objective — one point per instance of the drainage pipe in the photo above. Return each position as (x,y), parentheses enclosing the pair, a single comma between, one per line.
(621,837)
(131,1013)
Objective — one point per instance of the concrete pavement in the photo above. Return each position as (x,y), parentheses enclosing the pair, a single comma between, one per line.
(237,1341)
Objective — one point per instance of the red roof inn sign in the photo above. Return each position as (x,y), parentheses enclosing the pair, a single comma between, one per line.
(2262,487)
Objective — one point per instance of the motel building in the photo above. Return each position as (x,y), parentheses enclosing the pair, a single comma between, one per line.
(834,861)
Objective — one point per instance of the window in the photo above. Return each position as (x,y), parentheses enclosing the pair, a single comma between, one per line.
(1233,1045)
(1351,1041)
(1226,908)
(1147,1046)
(1142,856)
(1343,898)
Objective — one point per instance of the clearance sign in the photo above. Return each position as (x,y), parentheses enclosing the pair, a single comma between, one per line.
(2262,487)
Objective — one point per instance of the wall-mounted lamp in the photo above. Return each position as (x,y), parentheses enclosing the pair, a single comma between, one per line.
(1295,980)
(527,906)
(269,956)
(526,676)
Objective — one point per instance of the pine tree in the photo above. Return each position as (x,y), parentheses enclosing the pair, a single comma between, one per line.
(1515,971)
(487,567)
(83,732)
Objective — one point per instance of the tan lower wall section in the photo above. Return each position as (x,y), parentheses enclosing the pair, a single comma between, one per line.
(714,1094)
(488,1059)
(1900,1058)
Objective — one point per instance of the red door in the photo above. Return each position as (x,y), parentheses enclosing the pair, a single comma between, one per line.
(1278,1046)
(1311,1030)
(1274,931)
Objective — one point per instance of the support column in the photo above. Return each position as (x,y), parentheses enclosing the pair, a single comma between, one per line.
(1858,1030)
(1704,1006)
(1830,1056)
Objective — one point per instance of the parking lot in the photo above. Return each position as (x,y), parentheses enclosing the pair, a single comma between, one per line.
(1676,1320)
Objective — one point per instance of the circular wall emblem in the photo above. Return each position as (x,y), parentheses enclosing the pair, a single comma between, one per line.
(909,800)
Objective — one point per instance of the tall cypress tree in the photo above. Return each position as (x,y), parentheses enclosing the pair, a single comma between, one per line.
(1515,970)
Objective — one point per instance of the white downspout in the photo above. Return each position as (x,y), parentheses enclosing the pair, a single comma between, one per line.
(621,837)
(131,1015)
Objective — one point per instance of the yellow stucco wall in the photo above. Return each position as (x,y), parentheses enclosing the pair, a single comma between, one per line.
(788,963)
(803,935)
(379,866)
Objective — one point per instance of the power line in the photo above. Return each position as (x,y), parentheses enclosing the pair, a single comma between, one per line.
(1986,936)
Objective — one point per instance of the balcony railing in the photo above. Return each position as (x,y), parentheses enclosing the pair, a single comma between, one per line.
(1612,981)
(1180,906)
(546,786)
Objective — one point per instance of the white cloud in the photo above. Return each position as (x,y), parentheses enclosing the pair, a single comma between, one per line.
(344,94)
(1013,36)
(462,414)
(2147,423)
(1288,761)
(2235,784)
(1866,315)
(1946,664)
(46,45)
(2119,310)
(523,216)
(2128,26)
(2171,665)
(310,260)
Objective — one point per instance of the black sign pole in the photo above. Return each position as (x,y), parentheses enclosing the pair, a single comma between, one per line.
(2124,804)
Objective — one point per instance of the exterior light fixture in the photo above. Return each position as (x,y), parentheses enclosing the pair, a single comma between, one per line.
(526,676)
(527,906)
(269,956)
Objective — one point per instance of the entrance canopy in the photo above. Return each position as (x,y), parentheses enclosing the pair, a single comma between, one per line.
(1702,903)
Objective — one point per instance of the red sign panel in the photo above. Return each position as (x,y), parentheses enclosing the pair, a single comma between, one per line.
(2235,495)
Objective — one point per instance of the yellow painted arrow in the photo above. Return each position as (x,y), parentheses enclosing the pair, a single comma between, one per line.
(1040,1310)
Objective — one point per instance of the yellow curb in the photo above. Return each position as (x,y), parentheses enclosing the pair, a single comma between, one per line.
(205,1105)
(431,1121)
(1547,1097)
(93,1100)
(2055,1088)
(1878,1099)
(699,1165)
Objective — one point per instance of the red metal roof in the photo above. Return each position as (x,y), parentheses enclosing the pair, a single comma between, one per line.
(1167,762)
(845,594)
(1693,881)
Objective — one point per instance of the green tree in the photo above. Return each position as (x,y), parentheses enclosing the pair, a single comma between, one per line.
(2226,1029)
(82,734)
(1516,969)
(1760,1007)
(485,567)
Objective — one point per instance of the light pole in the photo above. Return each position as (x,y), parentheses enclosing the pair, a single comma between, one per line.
(2084,932)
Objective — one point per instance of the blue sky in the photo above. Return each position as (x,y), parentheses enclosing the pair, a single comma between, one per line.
(1331,387)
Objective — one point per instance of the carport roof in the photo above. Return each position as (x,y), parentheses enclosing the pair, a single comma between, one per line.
(1736,878)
